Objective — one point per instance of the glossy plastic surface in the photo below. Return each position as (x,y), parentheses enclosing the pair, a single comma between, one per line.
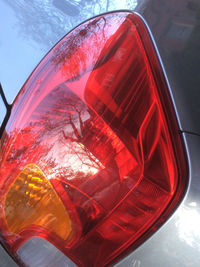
(95,116)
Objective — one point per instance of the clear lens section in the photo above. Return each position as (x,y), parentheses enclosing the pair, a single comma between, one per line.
(39,252)
(96,120)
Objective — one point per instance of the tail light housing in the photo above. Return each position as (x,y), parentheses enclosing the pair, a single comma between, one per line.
(92,160)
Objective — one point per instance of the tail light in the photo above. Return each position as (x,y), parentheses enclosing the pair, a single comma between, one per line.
(92,161)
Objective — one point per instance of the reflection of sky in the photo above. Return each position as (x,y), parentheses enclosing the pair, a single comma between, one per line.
(28,31)
(18,55)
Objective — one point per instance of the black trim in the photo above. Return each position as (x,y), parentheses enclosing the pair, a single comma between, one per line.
(8,111)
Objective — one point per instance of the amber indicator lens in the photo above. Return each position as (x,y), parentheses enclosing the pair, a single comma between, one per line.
(92,161)
(31,200)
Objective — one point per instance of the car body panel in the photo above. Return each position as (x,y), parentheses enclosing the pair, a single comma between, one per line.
(5,259)
(31,28)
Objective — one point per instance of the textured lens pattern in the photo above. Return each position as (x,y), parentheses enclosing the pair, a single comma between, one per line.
(32,201)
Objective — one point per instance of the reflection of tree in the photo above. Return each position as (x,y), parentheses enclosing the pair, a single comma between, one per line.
(65,136)
(75,131)
(73,43)
(70,122)
(64,133)
(62,126)
(89,47)
(45,23)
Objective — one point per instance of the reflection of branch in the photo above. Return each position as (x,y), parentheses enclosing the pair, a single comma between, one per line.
(69,49)
(90,156)
(69,137)
(75,129)
(80,121)
(86,163)
(86,153)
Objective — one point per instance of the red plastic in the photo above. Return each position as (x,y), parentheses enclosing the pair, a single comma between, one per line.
(96,117)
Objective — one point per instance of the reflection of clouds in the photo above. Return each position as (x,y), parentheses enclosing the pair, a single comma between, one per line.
(188,225)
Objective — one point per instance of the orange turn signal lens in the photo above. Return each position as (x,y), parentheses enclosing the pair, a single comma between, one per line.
(32,201)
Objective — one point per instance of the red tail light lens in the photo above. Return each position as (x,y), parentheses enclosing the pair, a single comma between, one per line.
(92,160)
